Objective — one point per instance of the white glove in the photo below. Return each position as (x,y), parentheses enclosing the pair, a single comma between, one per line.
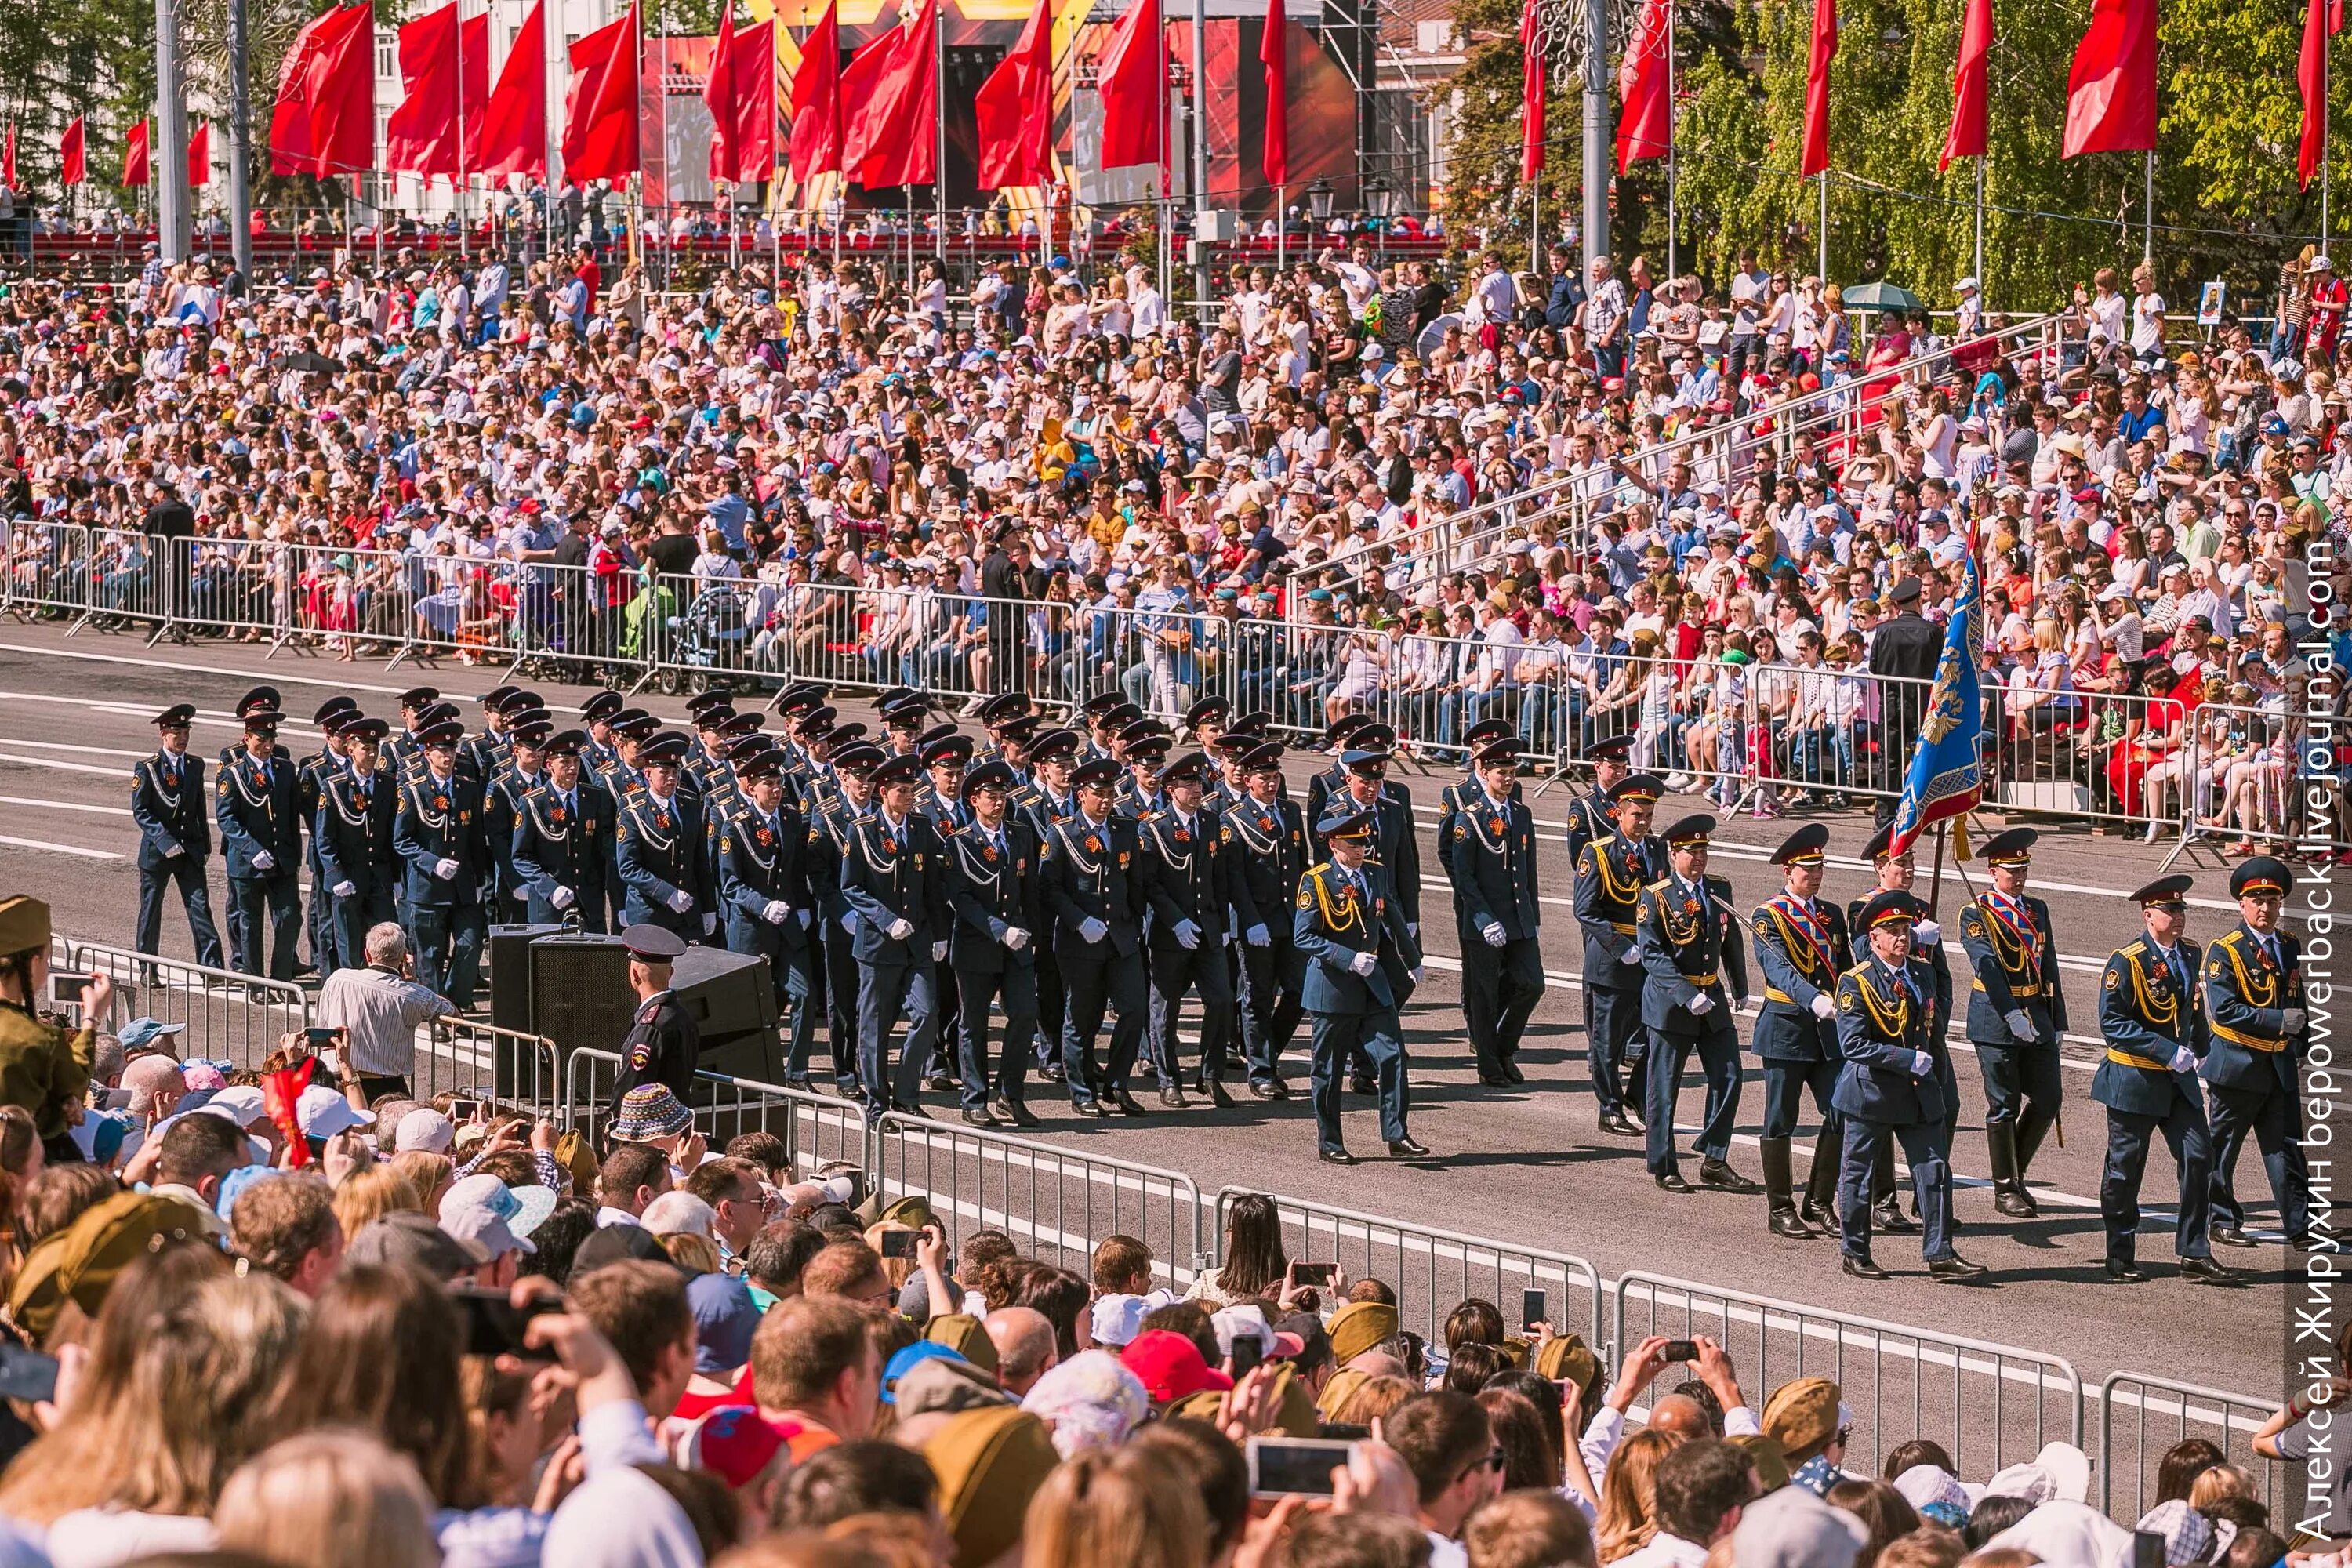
(1922,1064)
(1823,1006)
(681,901)
(1701,1005)
(849,921)
(775,912)
(523,895)
(1494,934)
(1364,962)
(263,860)
(1015,938)
(938,952)
(342,889)
(1092,930)
(1413,930)
(1630,955)
(1187,935)
(444,870)
(562,899)
(1258,936)
(2295,1018)
(710,923)
(2019,1025)
(899,931)
(1927,933)
(804,918)
(1417,970)
(172,852)
(2183,1059)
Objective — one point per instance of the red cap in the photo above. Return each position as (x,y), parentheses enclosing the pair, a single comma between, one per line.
(735,1444)
(1171,1367)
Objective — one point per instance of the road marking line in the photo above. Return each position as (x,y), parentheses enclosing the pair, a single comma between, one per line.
(60,848)
(38,805)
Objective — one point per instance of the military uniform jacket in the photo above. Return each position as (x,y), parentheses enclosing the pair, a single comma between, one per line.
(1041,810)
(658,846)
(945,814)
(353,833)
(1933,954)
(1188,875)
(485,755)
(1332,921)
(169,804)
(310,777)
(896,872)
(1269,855)
(2014,955)
(255,806)
(1489,856)
(1610,872)
(661,1047)
(1395,847)
(2246,998)
(441,819)
(621,780)
(1802,949)
(501,811)
(2148,1010)
(830,826)
(559,846)
(1091,874)
(1689,943)
(763,860)
(1881,1020)
(993,887)
(1589,822)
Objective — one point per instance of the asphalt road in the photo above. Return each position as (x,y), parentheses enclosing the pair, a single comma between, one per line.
(1526,1166)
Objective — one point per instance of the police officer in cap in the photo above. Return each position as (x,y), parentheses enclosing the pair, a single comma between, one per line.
(402,745)
(1610,872)
(2016,1012)
(2152,1015)
(1588,814)
(893,876)
(1802,946)
(1338,739)
(563,840)
(1269,841)
(1689,941)
(261,842)
(939,798)
(1045,799)
(2255,999)
(176,836)
(437,831)
(661,1046)
(1487,842)
(310,777)
(658,845)
(260,699)
(1094,890)
(358,864)
(764,883)
(996,888)
(597,714)
(1890,1087)
(1361,965)
(1188,866)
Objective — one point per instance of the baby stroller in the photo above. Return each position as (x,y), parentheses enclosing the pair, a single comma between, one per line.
(711,634)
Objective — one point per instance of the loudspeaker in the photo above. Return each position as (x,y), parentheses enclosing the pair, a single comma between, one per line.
(509,963)
(580,995)
(725,993)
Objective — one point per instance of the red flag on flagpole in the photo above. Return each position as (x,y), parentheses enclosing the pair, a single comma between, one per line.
(1966,139)
(134,154)
(1274,53)
(815,146)
(1816,158)
(718,95)
(423,136)
(755,102)
(74,161)
(893,141)
(1133,74)
(281,1099)
(1532,90)
(859,81)
(600,117)
(1014,111)
(1645,120)
(514,122)
(8,158)
(2311,76)
(324,122)
(2111,90)
(200,155)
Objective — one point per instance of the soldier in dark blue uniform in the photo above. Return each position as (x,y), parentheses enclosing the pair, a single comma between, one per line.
(310,776)
(1361,966)
(1269,845)
(2016,1013)
(2254,1003)
(1188,875)
(261,843)
(1142,748)
(1107,715)
(994,887)
(1396,843)
(1093,890)
(1611,873)
(944,755)
(1002,713)
(400,746)
(1206,722)
(437,830)
(1689,941)
(1890,1087)
(484,752)
(260,699)
(597,713)
(764,883)
(358,868)
(2152,1015)
(563,840)
(834,814)
(1896,873)
(662,1046)
(176,836)
(1487,842)
(895,877)
(1802,946)
(1588,813)
(502,795)
(658,849)
(903,722)
(1041,803)
(1338,739)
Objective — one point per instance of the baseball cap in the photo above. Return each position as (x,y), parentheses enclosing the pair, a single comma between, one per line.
(484,1210)
(1171,1367)
(142,1034)
(324,1112)
(411,1240)
(426,1129)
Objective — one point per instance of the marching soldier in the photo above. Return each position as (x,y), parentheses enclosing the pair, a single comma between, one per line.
(400,748)
(1093,890)
(763,882)
(1588,814)
(1611,873)
(261,843)
(709,713)
(310,776)
(563,835)
(833,818)
(437,831)
(1142,748)
(1897,873)
(487,752)
(662,1045)
(2254,1001)
(503,798)
(1000,918)
(1205,721)
(893,876)
(658,849)
(1047,800)
(1269,841)
(358,868)
(1361,966)
(902,724)
(944,755)
(1396,845)
(1689,941)
(1189,883)
(1890,1087)
(176,836)
(2016,1012)
(1338,739)
(940,796)
(1107,715)
(999,713)
(260,699)
(1802,946)
(1487,842)
(2152,1015)
(598,752)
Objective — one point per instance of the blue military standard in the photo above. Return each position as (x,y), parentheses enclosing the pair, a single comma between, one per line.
(1689,941)
(2255,1006)
(1361,964)
(176,836)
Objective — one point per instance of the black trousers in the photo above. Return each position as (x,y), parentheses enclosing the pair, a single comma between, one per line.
(1016,986)
(185,872)
(265,924)
(1117,983)
(1500,988)
(1270,1010)
(1174,971)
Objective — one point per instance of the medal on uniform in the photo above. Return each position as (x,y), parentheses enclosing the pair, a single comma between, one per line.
(1094,845)
(440,803)
(1495,825)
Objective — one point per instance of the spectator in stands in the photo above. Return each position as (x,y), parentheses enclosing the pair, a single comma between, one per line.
(286,1225)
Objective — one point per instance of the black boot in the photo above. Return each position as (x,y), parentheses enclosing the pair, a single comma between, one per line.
(1780,1201)
(1820,1206)
(2009,1196)
(2031,1131)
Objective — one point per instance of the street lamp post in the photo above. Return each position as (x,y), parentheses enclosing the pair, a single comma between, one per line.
(1380,201)
(1319,206)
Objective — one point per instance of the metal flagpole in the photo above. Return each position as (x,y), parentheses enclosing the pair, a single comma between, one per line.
(1825,229)
(1673,226)
(1535,223)
(1160,198)
(940,97)
(240,145)
(1281,232)
(2322,149)
(1979,268)
(2148,206)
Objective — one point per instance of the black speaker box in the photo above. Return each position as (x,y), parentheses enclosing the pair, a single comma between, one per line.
(509,964)
(725,993)
(580,995)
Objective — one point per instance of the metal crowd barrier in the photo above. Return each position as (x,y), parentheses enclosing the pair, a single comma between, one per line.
(589,1080)
(230,1017)
(2141,1415)
(1988,1404)
(1434,1270)
(516,1069)
(817,1130)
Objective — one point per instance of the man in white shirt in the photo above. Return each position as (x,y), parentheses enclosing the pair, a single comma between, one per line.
(378,1007)
(1702,1487)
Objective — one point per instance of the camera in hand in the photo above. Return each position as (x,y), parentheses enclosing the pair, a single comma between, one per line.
(1682,1349)
(495,1325)
(901,1243)
(65,987)
(1320,1274)
(1294,1466)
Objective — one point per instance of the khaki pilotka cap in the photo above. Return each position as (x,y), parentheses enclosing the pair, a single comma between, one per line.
(24,924)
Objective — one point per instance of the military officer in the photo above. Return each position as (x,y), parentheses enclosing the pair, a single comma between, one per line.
(484,752)
(658,847)
(2254,1003)
(902,724)
(1689,941)
(940,796)
(1611,873)
(1142,747)
(260,699)
(944,755)
(1338,739)
(1106,716)
(1487,842)
(1005,710)
(2152,1016)
(1206,722)
(1588,814)
(175,837)
(1269,845)
(398,749)
(437,831)
(310,776)
(1189,882)
(763,882)
(833,817)
(1890,1087)
(1046,800)
(1093,890)
(993,887)
(597,713)
(662,1045)
(2016,1013)
(563,839)
(261,844)
(1361,966)
(1897,873)
(502,795)
(357,866)
(893,876)
(709,713)
(1802,945)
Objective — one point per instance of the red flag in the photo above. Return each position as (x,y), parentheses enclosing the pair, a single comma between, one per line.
(74,162)
(1532,88)
(1966,139)
(200,155)
(755,102)
(1133,77)
(1014,111)
(1816,158)
(423,136)
(2111,91)
(1646,119)
(2311,76)
(324,119)
(718,95)
(600,116)
(514,122)
(859,80)
(1274,53)
(815,147)
(281,1096)
(134,155)
(892,139)
(8,157)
